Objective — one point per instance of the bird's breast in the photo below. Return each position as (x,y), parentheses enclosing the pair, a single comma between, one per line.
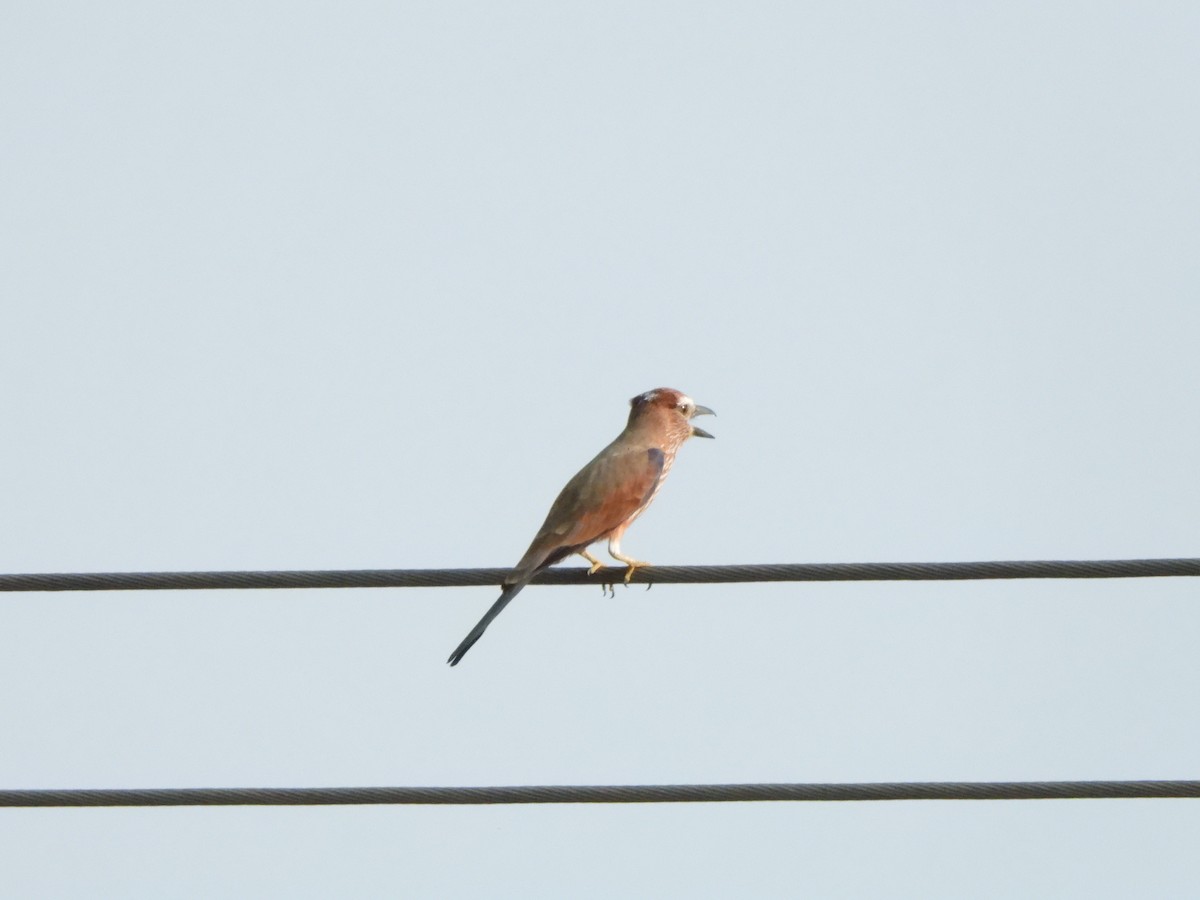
(665,458)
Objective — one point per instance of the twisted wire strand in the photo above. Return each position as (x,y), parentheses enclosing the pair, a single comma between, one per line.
(669,793)
(361,578)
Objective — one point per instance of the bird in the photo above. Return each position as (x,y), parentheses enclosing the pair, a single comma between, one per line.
(605,496)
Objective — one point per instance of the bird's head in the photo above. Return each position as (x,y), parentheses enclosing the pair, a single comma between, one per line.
(676,407)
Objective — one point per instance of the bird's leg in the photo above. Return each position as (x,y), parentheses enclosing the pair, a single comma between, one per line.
(605,588)
(614,550)
(596,564)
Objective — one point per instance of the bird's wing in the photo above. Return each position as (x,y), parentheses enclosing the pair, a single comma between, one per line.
(602,496)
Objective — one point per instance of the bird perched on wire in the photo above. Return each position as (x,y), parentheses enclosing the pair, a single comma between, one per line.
(605,496)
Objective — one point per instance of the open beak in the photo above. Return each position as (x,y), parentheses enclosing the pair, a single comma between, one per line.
(701,411)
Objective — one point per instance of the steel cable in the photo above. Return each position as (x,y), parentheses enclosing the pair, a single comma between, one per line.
(671,793)
(379,578)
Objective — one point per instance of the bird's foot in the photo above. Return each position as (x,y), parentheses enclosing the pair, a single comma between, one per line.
(596,564)
(634,565)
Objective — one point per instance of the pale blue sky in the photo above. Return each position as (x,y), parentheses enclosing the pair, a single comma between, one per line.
(361,285)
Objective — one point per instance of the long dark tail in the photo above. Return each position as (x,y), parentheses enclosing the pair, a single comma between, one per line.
(468,642)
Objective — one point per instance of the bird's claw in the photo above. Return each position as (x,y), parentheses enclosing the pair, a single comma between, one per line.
(633,567)
(596,565)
